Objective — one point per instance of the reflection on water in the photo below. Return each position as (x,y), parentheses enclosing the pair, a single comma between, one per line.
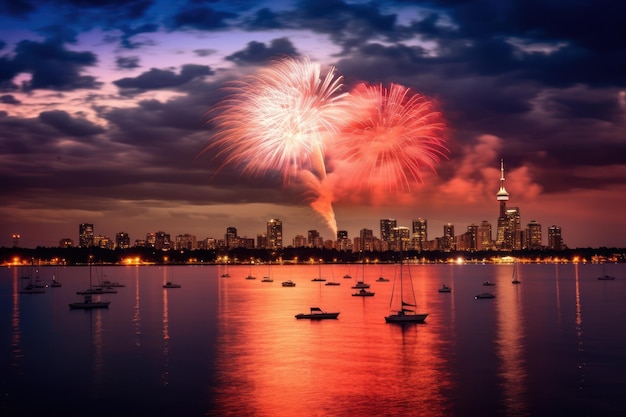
(232,347)
(356,365)
(511,346)
(16,333)
(579,331)
(166,332)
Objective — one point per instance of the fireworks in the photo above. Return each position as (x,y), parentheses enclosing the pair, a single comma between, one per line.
(391,135)
(286,116)
(280,119)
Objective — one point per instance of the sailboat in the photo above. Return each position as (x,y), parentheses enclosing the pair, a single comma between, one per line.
(515,279)
(605,276)
(55,282)
(268,277)
(225,274)
(319,277)
(408,305)
(31,288)
(333,282)
(361,285)
(88,301)
(170,284)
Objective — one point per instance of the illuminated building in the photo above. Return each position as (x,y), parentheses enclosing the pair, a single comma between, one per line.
(185,241)
(314,240)
(484,240)
(555,240)
(387,232)
(66,243)
(420,234)
(274,234)
(231,238)
(447,241)
(514,235)
(299,241)
(85,235)
(533,235)
(122,240)
(162,241)
(366,237)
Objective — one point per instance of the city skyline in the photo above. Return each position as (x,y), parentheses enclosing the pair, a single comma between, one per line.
(104,113)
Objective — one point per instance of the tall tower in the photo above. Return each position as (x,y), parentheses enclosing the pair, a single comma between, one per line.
(503,222)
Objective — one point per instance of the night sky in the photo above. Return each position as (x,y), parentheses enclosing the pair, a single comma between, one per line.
(104,110)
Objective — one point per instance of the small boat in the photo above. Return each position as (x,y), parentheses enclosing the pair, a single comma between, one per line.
(89,303)
(31,289)
(170,284)
(332,283)
(403,300)
(445,288)
(347,276)
(489,283)
(317,314)
(363,293)
(55,283)
(250,277)
(98,290)
(225,275)
(485,295)
(289,283)
(360,285)
(267,279)
(605,276)
(109,284)
(382,279)
(515,280)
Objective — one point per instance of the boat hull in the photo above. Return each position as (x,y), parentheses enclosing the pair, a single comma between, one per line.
(87,306)
(318,316)
(406,318)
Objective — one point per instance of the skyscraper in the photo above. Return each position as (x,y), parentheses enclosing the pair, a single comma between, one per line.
(366,240)
(533,235)
(231,237)
(274,234)
(420,234)
(387,232)
(484,240)
(122,240)
(85,235)
(555,240)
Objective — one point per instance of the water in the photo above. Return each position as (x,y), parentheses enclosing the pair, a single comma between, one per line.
(553,345)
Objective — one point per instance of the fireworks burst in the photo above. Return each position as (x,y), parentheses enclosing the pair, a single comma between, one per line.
(280,119)
(284,118)
(392,134)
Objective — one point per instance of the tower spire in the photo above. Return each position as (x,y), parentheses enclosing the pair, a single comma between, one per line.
(502,195)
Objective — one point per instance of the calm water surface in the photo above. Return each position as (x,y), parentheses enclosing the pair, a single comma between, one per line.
(554,345)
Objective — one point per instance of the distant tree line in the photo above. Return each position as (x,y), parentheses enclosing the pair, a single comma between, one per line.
(82,256)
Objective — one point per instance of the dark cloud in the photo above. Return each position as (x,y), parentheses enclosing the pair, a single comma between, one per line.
(128,33)
(204,52)
(264,19)
(127,62)
(198,16)
(19,8)
(64,123)
(51,65)
(9,99)
(159,79)
(258,53)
